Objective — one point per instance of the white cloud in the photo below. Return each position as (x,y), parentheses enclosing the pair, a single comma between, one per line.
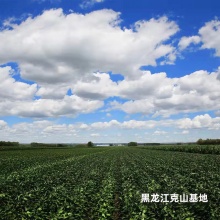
(159,132)
(147,85)
(217,113)
(52,91)
(50,131)
(104,125)
(144,106)
(199,121)
(210,36)
(90,3)
(100,87)
(84,126)
(12,89)
(61,51)
(3,124)
(58,48)
(159,95)
(186,41)
(68,106)
(60,129)
(133,124)
(154,94)
(95,135)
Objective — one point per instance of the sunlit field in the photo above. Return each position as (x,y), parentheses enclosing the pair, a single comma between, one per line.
(109,183)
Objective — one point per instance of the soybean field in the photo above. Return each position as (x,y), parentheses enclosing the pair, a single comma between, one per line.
(123,183)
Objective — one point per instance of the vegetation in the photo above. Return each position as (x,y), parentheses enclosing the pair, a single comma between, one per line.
(8,143)
(35,144)
(106,183)
(90,144)
(80,146)
(208,142)
(151,144)
(190,148)
(132,143)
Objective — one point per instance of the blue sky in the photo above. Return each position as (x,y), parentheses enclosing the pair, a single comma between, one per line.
(109,70)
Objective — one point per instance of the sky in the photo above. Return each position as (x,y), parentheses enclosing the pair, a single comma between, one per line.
(109,71)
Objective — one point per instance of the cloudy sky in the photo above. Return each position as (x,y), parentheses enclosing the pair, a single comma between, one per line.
(109,70)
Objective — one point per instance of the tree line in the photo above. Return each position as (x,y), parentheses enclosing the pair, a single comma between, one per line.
(9,143)
(35,144)
(208,141)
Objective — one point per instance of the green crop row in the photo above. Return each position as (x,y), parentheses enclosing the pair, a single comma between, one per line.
(191,148)
(106,183)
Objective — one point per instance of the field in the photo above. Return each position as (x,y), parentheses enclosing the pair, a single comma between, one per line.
(108,183)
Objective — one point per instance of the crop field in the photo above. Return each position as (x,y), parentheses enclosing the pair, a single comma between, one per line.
(108,183)
(202,149)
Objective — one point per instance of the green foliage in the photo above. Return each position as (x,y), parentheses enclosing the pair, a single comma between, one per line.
(90,144)
(9,143)
(190,148)
(35,144)
(81,146)
(132,143)
(44,145)
(151,144)
(208,142)
(105,183)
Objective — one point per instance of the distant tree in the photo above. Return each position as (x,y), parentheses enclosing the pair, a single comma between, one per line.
(90,144)
(9,143)
(132,143)
(110,145)
(200,141)
(208,141)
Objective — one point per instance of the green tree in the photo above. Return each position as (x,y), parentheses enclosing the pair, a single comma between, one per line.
(90,144)
(200,141)
(132,143)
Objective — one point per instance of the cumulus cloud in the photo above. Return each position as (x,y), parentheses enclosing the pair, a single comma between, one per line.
(55,47)
(69,106)
(200,121)
(50,131)
(186,41)
(217,113)
(154,94)
(210,36)
(52,91)
(12,89)
(147,85)
(60,129)
(103,125)
(73,51)
(100,87)
(165,96)
(131,124)
(3,124)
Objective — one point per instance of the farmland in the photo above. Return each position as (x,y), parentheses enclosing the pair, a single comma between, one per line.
(106,183)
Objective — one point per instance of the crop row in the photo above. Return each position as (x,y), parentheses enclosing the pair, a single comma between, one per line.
(190,148)
(107,183)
